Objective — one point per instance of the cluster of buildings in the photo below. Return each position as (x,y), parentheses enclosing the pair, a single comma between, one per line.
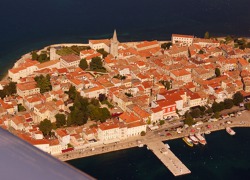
(137,73)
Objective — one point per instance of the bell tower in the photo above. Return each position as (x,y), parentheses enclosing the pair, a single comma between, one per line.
(114,45)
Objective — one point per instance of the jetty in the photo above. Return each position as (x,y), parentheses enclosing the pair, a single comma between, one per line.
(168,158)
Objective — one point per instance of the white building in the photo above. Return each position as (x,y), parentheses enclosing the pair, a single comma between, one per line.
(100,44)
(183,40)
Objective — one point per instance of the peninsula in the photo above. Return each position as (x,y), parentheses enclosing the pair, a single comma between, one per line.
(78,100)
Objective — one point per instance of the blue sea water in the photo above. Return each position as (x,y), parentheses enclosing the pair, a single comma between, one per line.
(224,157)
(31,24)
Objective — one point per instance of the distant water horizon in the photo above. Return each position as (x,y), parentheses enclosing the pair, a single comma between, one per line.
(224,157)
(30,24)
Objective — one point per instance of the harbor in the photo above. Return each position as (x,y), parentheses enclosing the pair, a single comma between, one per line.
(154,140)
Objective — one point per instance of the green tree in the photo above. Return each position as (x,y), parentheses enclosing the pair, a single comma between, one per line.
(247,106)
(207,35)
(78,117)
(43,83)
(162,122)
(189,120)
(43,58)
(217,115)
(228,103)
(166,84)
(60,120)
(104,53)
(96,64)
(20,108)
(102,97)
(93,112)
(9,89)
(95,102)
(83,64)
(34,55)
(149,121)
(69,121)
(201,51)
(104,114)
(166,45)
(45,126)
(228,39)
(238,98)
(209,111)
(195,113)
(143,133)
(221,106)
(217,107)
(72,92)
(202,108)
(217,72)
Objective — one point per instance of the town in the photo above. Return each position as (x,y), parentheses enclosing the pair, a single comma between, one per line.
(69,97)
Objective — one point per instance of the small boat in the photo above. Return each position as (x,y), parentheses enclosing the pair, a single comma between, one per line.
(230,131)
(140,145)
(201,139)
(207,132)
(167,145)
(188,141)
(194,139)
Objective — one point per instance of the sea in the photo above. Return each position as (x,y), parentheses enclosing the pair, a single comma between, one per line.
(225,157)
(28,25)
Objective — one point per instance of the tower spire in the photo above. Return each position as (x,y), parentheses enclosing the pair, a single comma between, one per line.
(115,36)
(114,45)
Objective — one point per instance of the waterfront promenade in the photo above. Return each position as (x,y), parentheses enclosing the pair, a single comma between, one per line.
(168,158)
(157,136)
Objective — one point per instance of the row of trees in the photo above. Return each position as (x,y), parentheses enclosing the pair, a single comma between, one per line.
(95,64)
(216,108)
(43,57)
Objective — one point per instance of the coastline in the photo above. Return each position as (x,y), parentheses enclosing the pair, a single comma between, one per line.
(240,121)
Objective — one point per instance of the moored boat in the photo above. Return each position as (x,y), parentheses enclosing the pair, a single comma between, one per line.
(201,139)
(207,132)
(188,141)
(230,131)
(167,145)
(140,145)
(194,139)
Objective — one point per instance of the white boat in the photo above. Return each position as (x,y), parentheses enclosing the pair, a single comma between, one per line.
(230,131)
(194,139)
(201,139)
(140,145)
(208,132)
(167,145)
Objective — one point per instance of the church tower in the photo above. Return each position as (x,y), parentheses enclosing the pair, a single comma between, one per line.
(114,45)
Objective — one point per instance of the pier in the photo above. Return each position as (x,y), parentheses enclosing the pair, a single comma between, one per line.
(168,158)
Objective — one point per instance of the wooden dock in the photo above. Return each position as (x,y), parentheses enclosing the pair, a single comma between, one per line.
(168,158)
